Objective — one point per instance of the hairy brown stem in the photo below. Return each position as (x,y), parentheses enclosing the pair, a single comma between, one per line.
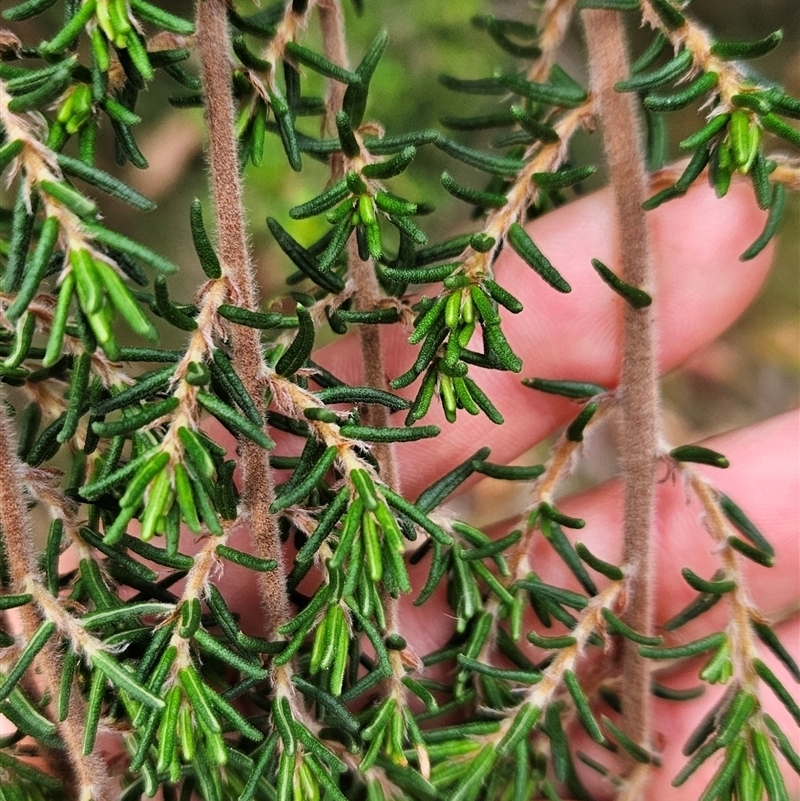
(91,777)
(331,20)
(638,392)
(257,479)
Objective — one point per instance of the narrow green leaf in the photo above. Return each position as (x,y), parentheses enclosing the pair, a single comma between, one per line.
(370,434)
(297,493)
(485,200)
(136,418)
(715,585)
(698,454)
(106,617)
(671,71)
(417,516)
(233,420)
(128,246)
(475,775)
(616,626)
(34,269)
(563,178)
(246,560)
(299,351)
(168,310)
(693,648)
(736,716)
(694,609)
(754,554)
(533,126)
(767,765)
(382,170)
(93,710)
(609,5)
(27,9)
(481,86)
(26,657)
(105,181)
(214,647)
(669,15)
(124,680)
(303,259)
(777,687)
(528,677)
(354,103)
(735,51)
(480,160)
(533,257)
(714,126)
(486,406)
(550,513)
(204,714)
(521,727)
(672,694)
(582,707)
(354,395)
(223,372)
(694,168)
(147,384)
(551,643)
(202,244)
(783,743)
(634,749)
(320,64)
(637,298)
(575,430)
(253,319)
(69,197)
(163,19)
(321,203)
(774,220)
(770,639)
(674,101)
(548,94)
(13,601)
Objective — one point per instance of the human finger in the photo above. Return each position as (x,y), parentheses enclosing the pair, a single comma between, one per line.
(701,288)
(764,478)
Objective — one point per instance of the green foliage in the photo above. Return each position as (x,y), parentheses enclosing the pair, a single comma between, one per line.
(142,634)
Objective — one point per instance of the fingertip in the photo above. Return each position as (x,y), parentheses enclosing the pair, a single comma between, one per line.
(702,285)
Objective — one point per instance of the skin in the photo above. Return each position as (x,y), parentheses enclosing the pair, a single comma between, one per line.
(701,288)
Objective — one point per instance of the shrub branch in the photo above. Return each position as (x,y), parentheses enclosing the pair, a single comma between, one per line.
(619,119)
(257,479)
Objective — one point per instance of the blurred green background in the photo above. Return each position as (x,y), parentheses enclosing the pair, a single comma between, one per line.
(748,374)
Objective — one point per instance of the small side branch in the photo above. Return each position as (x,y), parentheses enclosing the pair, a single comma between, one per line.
(367,297)
(91,776)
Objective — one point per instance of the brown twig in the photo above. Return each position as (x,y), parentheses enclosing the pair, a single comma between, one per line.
(91,777)
(559,467)
(257,479)
(638,393)
(331,20)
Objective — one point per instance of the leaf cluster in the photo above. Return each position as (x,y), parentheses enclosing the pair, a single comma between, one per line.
(118,443)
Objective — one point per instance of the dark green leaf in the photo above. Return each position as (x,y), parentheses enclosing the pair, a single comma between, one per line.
(735,51)
(299,351)
(303,259)
(699,454)
(524,246)
(685,96)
